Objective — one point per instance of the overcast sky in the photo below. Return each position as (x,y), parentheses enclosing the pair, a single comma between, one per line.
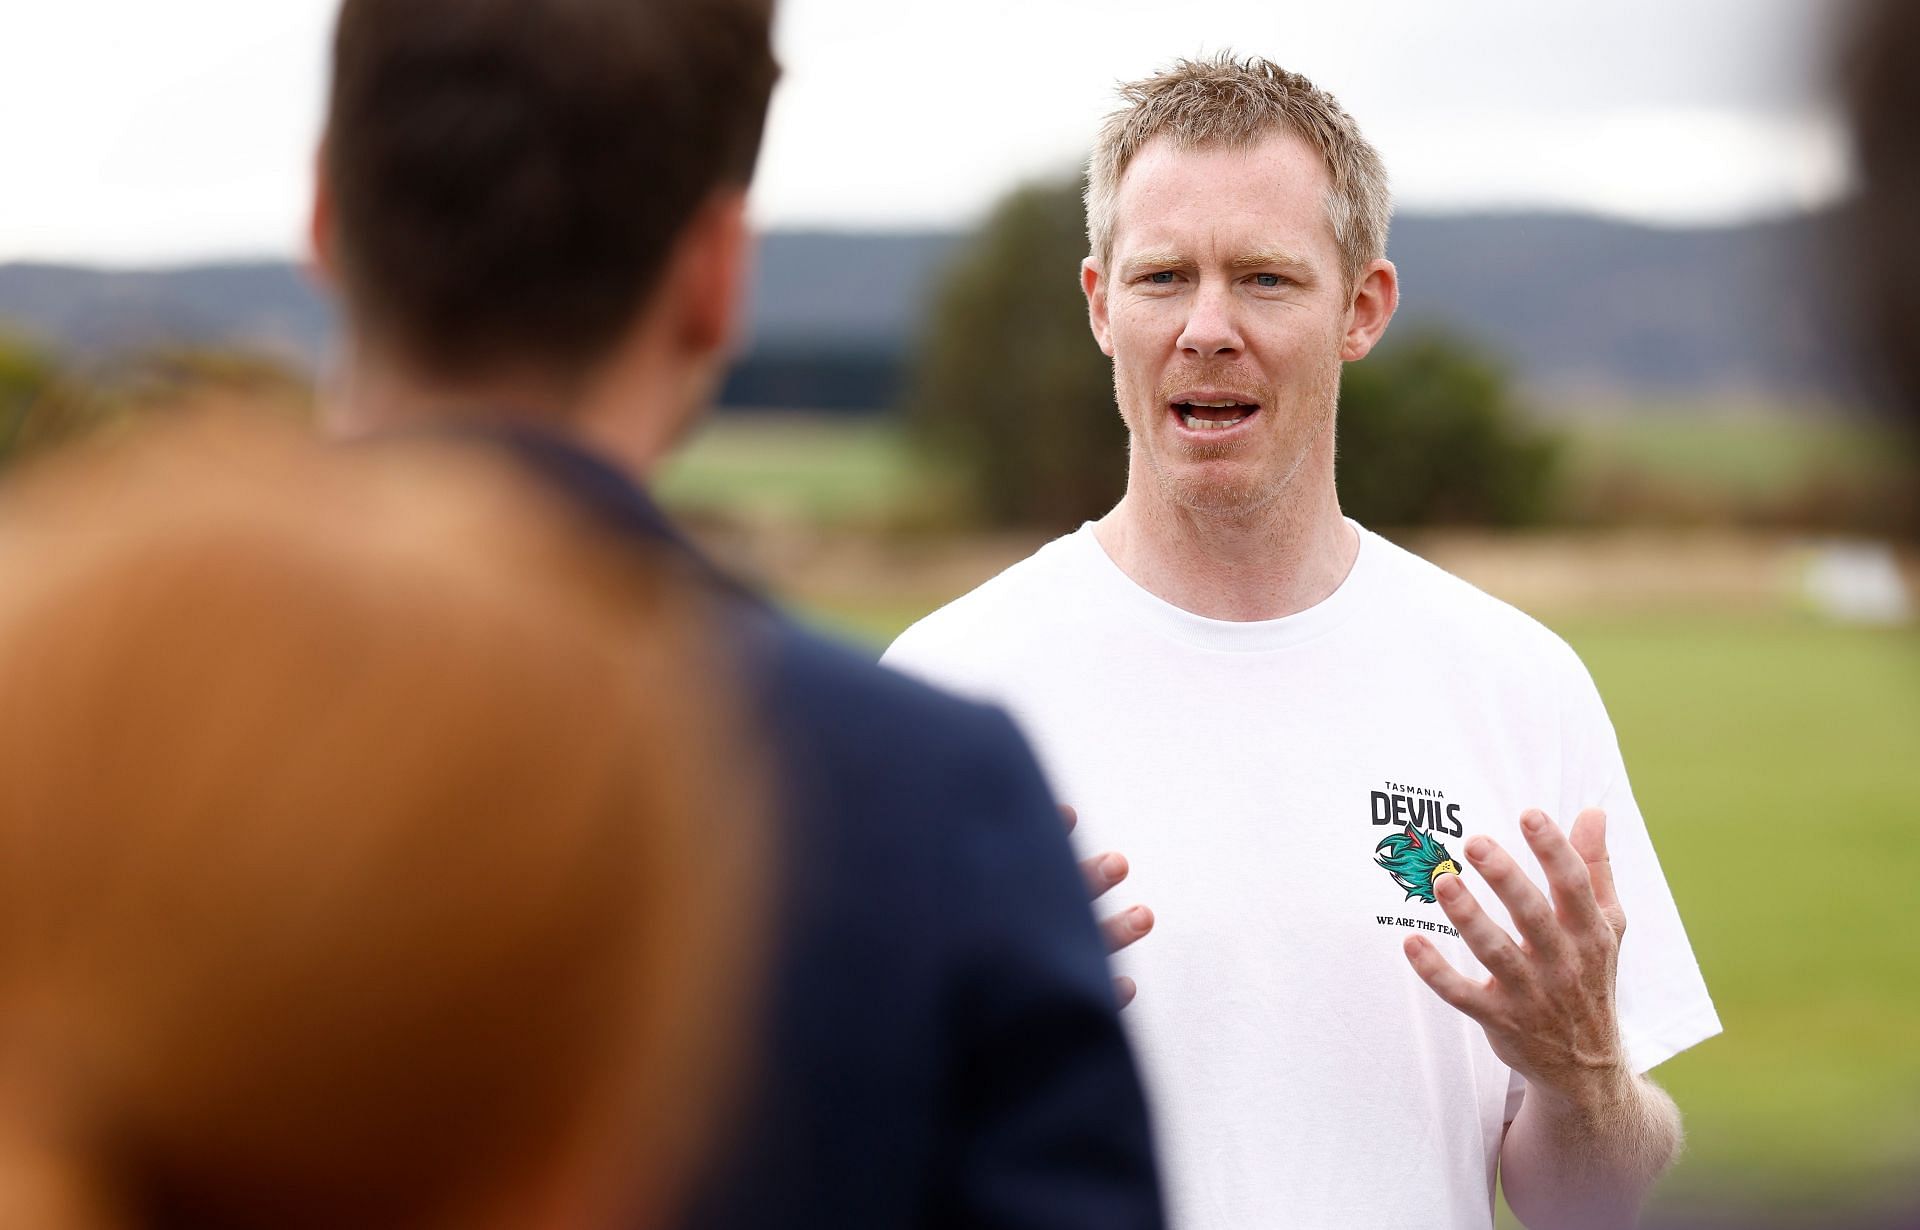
(135,132)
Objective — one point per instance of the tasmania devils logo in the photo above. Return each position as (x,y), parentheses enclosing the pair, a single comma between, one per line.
(1414,860)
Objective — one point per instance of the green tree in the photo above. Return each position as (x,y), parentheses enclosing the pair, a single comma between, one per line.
(1429,434)
(1009,388)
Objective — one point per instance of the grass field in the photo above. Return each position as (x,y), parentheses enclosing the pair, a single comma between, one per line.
(1744,450)
(853,472)
(1776,762)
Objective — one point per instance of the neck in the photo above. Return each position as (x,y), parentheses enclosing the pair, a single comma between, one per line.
(631,410)
(1264,564)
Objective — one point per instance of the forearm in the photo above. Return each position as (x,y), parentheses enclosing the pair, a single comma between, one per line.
(1589,1161)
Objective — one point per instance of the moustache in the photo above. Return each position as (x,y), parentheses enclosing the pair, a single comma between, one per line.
(1214,375)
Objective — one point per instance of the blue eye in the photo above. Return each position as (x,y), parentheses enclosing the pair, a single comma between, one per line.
(1268,279)
(1161,278)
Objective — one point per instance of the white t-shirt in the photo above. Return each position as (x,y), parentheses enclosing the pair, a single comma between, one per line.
(1300,1072)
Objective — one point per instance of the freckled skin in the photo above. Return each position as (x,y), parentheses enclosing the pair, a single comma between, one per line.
(1183,303)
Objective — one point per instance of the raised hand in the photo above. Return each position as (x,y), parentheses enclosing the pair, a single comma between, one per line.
(1102,872)
(1548,1004)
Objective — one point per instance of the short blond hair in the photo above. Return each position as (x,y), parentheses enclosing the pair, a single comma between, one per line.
(1222,100)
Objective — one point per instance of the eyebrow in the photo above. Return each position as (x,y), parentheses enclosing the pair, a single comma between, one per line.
(1263,258)
(1164,258)
(1271,258)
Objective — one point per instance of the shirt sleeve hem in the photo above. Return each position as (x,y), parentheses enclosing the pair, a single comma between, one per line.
(1649,1048)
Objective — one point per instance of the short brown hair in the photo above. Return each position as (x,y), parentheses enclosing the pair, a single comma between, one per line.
(1238,102)
(508,176)
(369,836)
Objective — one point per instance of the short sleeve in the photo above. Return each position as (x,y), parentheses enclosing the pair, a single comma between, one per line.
(1663,1000)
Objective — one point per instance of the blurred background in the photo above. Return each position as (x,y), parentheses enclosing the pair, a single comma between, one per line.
(1621,394)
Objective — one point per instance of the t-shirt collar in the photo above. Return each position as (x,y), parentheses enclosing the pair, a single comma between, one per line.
(1113,586)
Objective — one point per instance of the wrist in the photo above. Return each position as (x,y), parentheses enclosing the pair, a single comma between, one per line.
(1598,1091)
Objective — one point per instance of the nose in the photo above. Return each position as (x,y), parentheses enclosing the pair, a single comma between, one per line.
(1211,329)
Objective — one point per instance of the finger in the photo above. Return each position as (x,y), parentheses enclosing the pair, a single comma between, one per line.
(1589,839)
(1126,927)
(1123,991)
(1102,872)
(1525,903)
(1484,937)
(1447,982)
(1071,816)
(1566,871)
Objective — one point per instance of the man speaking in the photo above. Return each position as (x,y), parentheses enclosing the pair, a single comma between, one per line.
(1305,738)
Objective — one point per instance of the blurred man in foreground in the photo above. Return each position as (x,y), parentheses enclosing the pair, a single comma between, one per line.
(1302,735)
(376,849)
(534,212)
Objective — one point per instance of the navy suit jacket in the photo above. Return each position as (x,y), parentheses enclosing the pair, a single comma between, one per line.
(940,1046)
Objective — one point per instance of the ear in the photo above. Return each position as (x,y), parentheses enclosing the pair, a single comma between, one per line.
(1374,301)
(322,260)
(1093,284)
(709,272)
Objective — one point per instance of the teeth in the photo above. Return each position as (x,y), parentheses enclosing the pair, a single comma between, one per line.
(1213,405)
(1199,423)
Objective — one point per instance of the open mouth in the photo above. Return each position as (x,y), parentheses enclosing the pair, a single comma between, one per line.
(1213,414)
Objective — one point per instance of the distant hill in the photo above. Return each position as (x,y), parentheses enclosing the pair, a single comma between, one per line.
(1577,303)
(1573,303)
(93,313)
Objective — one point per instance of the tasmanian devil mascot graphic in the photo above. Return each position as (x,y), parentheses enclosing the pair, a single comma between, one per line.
(1414,860)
